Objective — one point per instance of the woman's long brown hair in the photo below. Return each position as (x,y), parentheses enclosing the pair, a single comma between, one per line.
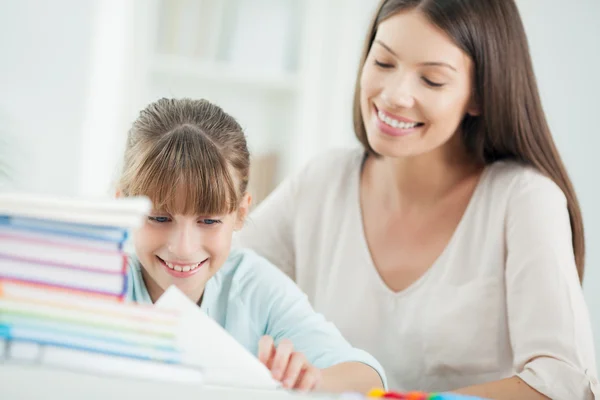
(512,124)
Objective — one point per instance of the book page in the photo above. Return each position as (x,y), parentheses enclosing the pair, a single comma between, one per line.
(205,344)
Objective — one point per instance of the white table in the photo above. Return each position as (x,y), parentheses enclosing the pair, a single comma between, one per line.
(21,382)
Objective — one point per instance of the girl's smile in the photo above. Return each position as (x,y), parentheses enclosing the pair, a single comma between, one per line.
(181,270)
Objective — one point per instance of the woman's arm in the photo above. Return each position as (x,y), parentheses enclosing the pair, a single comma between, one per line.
(506,389)
(548,321)
(269,231)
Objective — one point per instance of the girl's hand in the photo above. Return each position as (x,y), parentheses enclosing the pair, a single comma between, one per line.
(287,366)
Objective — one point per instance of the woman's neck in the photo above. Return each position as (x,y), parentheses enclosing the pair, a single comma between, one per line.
(417,181)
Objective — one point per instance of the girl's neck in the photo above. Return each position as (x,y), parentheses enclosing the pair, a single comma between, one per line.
(155,291)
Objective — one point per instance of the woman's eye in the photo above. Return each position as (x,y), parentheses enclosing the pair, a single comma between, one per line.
(432,83)
(209,221)
(383,65)
(159,219)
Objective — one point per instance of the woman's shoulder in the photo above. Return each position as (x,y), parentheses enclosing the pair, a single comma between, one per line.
(331,165)
(327,174)
(511,181)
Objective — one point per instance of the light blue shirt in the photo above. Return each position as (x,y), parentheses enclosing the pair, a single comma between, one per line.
(249,297)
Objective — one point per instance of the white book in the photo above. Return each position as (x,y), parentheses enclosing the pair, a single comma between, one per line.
(205,344)
(123,212)
(102,364)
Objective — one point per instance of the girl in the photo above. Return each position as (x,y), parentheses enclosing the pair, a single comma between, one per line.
(451,245)
(190,158)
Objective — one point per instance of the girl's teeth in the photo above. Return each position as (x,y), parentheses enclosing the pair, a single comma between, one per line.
(185,268)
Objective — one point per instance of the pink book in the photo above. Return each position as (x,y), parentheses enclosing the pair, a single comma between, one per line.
(76,255)
(64,276)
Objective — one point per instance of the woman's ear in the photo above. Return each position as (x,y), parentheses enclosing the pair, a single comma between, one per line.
(473,108)
(243,210)
(118,194)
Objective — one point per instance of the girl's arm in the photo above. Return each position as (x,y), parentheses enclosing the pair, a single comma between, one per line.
(350,376)
(549,324)
(298,332)
(295,372)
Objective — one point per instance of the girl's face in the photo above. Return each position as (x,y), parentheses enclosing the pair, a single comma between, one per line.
(185,250)
(416,87)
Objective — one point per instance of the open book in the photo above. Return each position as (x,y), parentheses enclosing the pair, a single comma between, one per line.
(205,344)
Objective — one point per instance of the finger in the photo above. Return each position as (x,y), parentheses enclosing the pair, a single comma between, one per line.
(282,358)
(309,379)
(266,349)
(295,366)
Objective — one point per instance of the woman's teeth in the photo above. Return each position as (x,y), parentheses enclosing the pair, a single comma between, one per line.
(182,268)
(394,123)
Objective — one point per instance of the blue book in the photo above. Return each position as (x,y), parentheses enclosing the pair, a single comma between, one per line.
(116,235)
(90,343)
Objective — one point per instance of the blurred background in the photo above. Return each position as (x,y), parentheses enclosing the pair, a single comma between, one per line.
(75,73)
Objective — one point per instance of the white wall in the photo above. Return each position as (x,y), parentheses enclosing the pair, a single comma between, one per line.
(565,45)
(43,82)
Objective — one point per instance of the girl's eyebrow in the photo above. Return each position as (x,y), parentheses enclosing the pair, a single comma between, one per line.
(155,211)
(426,64)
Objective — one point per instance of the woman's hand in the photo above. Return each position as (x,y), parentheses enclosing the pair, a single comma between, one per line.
(291,368)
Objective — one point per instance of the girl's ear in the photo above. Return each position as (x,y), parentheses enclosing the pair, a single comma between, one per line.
(118,193)
(243,210)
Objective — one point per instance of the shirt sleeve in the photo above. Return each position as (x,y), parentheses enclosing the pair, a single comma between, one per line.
(269,228)
(549,324)
(289,315)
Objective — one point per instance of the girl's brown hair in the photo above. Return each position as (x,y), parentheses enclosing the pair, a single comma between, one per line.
(512,124)
(186,146)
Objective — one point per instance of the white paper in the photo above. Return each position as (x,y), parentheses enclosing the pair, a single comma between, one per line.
(205,344)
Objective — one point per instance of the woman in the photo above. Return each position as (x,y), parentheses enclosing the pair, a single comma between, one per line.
(451,246)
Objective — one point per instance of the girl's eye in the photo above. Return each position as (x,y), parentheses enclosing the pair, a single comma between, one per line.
(432,83)
(159,219)
(208,221)
(383,65)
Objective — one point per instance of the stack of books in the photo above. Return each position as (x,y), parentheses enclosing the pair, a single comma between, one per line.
(63,278)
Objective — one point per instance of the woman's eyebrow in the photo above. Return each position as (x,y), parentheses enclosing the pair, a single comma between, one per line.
(426,64)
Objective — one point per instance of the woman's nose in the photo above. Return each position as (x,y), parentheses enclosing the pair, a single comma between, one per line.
(397,93)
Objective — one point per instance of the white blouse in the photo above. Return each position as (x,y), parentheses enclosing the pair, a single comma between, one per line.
(502,299)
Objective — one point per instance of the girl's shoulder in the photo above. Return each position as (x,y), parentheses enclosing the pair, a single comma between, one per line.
(136,289)
(251,276)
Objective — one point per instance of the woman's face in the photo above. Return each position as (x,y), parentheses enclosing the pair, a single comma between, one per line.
(416,87)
